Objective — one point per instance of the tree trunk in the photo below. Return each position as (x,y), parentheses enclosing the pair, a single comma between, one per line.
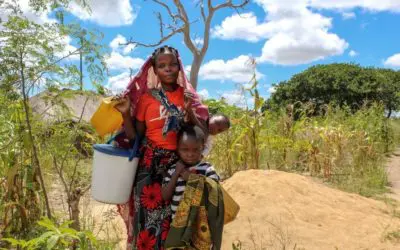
(34,149)
(194,71)
(73,204)
(81,66)
(389,113)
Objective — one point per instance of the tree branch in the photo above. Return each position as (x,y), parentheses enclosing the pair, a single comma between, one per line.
(76,129)
(162,39)
(229,4)
(172,15)
(186,30)
(61,175)
(35,153)
(203,14)
(74,173)
(159,17)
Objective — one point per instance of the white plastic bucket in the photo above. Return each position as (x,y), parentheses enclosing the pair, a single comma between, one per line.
(113,174)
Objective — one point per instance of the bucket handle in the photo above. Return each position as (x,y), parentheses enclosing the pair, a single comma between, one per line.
(134,151)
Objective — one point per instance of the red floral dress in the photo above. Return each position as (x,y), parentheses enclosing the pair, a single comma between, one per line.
(151,215)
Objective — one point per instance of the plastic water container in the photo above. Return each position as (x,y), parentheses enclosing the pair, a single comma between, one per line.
(113,174)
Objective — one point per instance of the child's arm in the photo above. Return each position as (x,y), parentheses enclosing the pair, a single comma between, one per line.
(205,169)
(168,190)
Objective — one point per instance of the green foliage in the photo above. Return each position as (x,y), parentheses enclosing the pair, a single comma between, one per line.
(345,147)
(56,237)
(340,84)
(35,150)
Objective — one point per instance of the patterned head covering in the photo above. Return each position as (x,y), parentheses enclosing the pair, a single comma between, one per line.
(146,79)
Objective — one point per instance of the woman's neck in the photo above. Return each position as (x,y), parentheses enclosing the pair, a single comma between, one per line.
(169,87)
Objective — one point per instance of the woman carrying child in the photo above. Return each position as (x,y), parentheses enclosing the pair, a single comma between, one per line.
(153,109)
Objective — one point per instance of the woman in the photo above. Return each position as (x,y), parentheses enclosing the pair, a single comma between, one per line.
(155,99)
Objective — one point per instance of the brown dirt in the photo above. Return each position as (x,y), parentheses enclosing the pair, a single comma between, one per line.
(393,170)
(283,211)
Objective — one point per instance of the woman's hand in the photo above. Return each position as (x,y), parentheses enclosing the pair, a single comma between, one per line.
(124,105)
(188,111)
(189,98)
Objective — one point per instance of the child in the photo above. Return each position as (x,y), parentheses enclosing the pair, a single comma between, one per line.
(215,124)
(190,146)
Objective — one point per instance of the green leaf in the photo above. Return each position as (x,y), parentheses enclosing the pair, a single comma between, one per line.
(52,242)
(13,242)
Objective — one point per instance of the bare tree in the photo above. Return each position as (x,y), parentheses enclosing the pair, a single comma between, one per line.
(180,23)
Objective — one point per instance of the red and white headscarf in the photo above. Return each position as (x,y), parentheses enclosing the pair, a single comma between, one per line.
(146,79)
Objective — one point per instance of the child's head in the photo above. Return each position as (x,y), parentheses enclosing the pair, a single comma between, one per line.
(191,141)
(218,123)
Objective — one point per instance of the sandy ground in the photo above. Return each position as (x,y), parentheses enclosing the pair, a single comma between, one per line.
(393,170)
(286,211)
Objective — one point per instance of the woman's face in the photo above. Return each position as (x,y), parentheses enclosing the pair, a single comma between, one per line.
(167,68)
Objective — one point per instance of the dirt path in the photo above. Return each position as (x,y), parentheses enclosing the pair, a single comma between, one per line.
(393,170)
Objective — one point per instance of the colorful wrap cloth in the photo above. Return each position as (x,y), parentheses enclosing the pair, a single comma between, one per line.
(199,219)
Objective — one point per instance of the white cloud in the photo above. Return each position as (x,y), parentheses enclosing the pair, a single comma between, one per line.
(203,94)
(353,53)
(124,49)
(348,15)
(188,68)
(393,61)
(272,89)
(381,5)
(116,61)
(237,98)
(198,41)
(68,49)
(118,83)
(294,34)
(27,12)
(238,70)
(299,36)
(234,97)
(244,26)
(107,12)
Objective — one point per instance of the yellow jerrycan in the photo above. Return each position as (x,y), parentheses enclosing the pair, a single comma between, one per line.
(106,119)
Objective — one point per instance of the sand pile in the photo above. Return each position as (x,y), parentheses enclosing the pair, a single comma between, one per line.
(285,211)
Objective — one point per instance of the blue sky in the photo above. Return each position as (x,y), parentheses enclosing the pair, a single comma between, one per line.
(285,37)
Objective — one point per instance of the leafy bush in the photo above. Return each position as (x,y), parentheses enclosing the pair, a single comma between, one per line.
(56,237)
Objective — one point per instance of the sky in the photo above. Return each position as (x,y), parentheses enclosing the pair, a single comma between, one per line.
(284,36)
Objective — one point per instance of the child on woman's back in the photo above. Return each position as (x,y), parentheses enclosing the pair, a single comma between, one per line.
(215,124)
(190,146)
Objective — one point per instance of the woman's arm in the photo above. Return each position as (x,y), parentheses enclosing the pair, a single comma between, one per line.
(140,128)
(191,116)
(129,127)
(124,107)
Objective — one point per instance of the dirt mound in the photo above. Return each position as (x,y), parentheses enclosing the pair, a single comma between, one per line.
(285,211)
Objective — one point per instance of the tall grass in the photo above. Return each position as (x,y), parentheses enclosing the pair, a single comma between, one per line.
(344,148)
